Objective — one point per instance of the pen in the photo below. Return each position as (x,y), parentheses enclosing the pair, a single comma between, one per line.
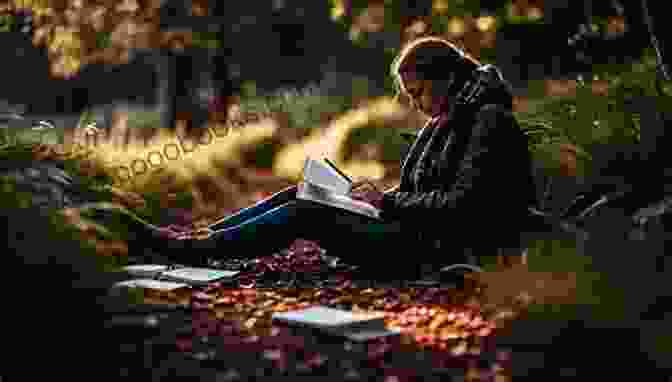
(332,165)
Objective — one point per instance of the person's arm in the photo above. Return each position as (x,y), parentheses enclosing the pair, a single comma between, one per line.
(479,172)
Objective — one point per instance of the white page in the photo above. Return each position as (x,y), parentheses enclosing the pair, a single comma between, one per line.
(317,194)
(145,270)
(321,174)
(151,284)
(188,274)
(320,316)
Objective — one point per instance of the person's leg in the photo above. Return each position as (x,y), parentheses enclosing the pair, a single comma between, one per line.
(259,235)
(147,238)
(257,209)
(352,237)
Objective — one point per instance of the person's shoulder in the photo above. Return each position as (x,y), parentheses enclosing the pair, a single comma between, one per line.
(498,122)
(494,112)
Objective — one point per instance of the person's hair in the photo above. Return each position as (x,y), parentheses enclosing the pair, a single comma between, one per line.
(433,58)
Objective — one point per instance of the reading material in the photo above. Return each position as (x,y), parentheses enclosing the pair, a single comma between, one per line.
(355,326)
(164,286)
(145,270)
(197,276)
(324,183)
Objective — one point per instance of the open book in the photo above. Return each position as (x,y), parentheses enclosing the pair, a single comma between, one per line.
(324,183)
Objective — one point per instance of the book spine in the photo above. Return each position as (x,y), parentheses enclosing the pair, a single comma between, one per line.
(323,198)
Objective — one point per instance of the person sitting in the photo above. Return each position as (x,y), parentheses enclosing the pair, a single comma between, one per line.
(465,185)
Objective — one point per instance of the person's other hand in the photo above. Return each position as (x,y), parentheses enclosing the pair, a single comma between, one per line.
(373,197)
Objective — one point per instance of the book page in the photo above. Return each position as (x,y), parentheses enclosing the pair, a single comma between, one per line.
(151,284)
(338,171)
(321,174)
(323,316)
(145,270)
(317,194)
(198,274)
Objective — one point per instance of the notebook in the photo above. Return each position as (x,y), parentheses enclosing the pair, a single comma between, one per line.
(324,183)
(145,270)
(353,325)
(164,286)
(197,276)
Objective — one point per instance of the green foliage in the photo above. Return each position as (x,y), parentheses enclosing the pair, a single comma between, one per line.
(85,118)
(28,137)
(16,153)
(356,6)
(596,295)
(95,187)
(304,108)
(154,208)
(184,200)
(11,198)
(103,40)
(207,40)
(263,154)
(390,140)
(144,119)
(507,16)
(6,23)
(587,119)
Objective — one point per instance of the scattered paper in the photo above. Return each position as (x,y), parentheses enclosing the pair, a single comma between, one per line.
(151,284)
(356,326)
(197,275)
(323,316)
(145,270)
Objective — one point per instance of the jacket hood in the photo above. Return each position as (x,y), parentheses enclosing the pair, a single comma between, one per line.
(486,86)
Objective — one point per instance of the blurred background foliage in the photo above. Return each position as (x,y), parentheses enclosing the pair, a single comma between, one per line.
(572,93)
(322,102)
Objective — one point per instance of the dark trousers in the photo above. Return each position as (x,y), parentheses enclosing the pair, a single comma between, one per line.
(275,222)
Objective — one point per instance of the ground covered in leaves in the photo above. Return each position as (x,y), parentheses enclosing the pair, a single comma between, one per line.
(227,328)
(223,332)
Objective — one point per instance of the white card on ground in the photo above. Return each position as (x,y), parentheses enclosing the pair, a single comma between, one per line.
(324,317)
(151,284)
(198,275)
(365,335)
(145,270)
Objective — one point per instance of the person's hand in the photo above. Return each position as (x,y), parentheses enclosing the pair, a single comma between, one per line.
(373,197)
(392,189)
(364,183)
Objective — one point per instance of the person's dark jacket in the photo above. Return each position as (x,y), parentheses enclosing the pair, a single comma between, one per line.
(467,178)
